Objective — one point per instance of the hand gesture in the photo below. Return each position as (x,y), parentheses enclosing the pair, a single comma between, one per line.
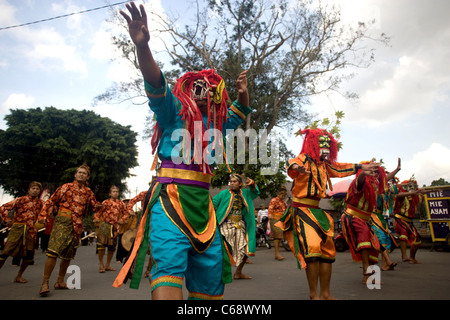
(249,181)
(370,169)
(299,168)
(241,82)
(137,24)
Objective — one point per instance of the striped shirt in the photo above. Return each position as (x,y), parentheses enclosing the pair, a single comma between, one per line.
(314,184)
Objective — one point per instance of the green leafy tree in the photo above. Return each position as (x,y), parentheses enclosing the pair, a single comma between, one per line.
(439,182)
(47,145)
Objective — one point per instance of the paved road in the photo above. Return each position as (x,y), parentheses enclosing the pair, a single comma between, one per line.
(272,280)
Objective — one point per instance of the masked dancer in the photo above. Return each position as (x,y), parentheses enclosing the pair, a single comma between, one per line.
(308,228)
(179,219)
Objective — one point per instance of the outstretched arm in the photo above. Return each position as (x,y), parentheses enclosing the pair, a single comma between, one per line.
(138,29)
(392,174)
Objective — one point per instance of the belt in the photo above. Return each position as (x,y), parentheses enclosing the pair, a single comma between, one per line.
(403,218)
(305,202)
(183,174)
(358,213)
(235,218)
(65,213)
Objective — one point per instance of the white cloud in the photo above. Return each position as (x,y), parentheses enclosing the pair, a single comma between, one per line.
(102,48)
(411,75)
(7,12)
(428,165)
(17,101)
(73,22)
(47,49)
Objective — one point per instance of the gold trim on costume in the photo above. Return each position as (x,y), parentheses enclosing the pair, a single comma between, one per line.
(358,213)
(184,174)
(308,201)
(403,218)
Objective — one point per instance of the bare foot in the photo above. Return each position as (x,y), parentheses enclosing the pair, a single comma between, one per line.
(61,286)
(20,279)
(279,258)
(329,297)
(241,276)
(414,261)
(44,289)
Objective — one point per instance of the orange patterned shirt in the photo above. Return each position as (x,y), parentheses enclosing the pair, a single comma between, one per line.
(26,210)
(73,197)
(139,197)
(113,212)
(277,207)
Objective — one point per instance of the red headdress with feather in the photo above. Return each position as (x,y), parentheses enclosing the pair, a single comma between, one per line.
(311,144)
(409,186)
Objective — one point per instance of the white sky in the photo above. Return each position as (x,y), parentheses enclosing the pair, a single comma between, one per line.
(403,110)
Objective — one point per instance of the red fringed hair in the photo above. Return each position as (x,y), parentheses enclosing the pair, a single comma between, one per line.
(190,112)
(403,188)
(311,144)
(369,192)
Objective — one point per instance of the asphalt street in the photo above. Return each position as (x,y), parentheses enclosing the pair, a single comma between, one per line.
(271,279)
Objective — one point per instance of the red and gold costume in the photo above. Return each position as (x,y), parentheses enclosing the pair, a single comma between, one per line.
(309,229)
(405,211)
(360,203)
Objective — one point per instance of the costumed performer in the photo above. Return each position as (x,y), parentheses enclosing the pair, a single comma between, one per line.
(179,220)
(385,203)
(112,214)
(72,200)
(308,228)
(21,240)
(360,202)
(236,218)
(408,198)
(277,208)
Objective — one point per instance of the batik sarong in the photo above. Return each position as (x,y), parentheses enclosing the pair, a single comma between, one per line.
(63,242)
(19,244)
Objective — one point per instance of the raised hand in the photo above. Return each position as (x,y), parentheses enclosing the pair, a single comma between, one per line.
(241,82)
(137,24)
